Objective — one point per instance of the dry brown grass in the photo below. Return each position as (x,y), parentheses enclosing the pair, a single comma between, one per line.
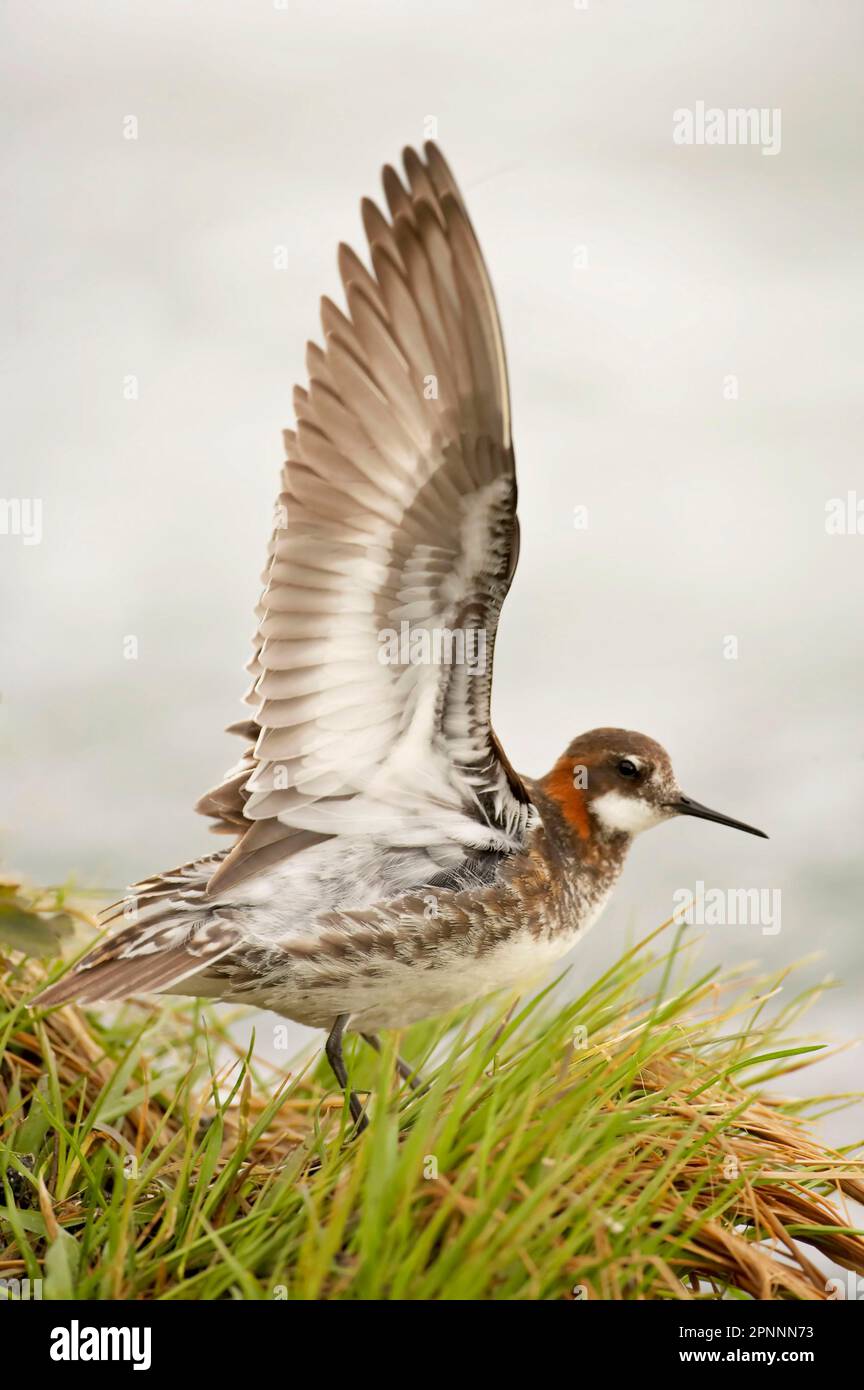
(642,1165)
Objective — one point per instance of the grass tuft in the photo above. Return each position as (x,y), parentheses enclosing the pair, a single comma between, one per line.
(620,1146)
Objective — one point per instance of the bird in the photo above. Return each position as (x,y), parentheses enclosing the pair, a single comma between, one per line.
(387,863)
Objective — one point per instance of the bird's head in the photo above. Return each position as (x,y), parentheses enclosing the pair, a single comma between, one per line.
(614,781)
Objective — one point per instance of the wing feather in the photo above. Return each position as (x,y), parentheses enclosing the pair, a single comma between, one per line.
(396,523)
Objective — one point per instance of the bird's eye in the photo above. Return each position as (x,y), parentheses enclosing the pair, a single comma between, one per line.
(627,769)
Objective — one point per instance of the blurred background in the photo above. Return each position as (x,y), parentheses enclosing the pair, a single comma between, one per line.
(684,351)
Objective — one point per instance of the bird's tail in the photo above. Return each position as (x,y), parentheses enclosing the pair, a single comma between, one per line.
(171,934)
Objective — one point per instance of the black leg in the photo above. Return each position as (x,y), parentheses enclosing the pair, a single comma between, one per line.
(333,1048)
(405,1070)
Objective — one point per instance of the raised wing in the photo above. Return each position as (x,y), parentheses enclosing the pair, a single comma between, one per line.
(394,547)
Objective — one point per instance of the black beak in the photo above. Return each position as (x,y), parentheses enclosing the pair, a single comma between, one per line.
(685,807)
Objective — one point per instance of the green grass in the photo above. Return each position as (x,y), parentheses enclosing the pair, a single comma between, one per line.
(623,1145)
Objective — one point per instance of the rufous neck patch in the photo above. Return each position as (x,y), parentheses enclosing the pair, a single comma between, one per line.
(574,807)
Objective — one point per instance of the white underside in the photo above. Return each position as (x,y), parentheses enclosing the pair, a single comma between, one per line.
(405,998)
(288,905)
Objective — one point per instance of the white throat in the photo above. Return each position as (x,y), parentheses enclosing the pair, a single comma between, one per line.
(628,815)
